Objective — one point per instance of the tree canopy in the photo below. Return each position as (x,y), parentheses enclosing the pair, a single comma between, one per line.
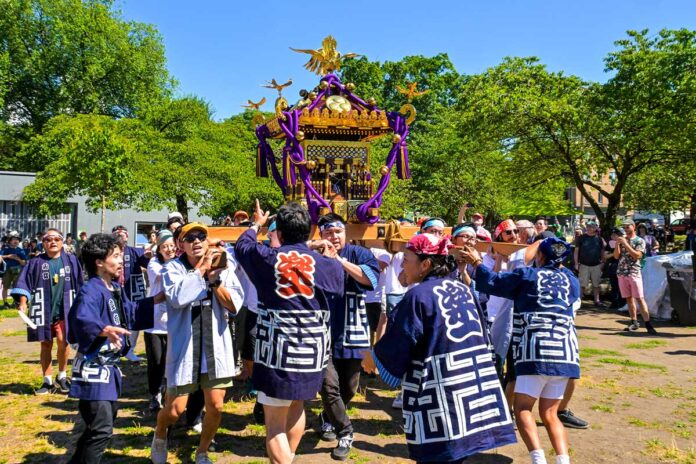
(67,57)
(91,156)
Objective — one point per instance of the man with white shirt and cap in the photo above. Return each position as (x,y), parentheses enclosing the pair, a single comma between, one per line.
(201,289)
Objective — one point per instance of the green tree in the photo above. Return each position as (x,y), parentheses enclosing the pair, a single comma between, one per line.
(75,57)
(91,157)
(552,126)
(185,158)
(435,74)
(663,187)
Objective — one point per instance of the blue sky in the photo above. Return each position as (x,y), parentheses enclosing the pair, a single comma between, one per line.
(223,50)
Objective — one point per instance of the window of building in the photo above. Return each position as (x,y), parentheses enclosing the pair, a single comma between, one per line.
(19,216)
(143,229)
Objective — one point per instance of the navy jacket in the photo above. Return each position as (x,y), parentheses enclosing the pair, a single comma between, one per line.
(350,332)
(294,287)
(544,340)
(436,345)
(96,375)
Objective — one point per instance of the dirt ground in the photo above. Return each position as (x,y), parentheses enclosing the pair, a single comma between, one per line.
(638,393)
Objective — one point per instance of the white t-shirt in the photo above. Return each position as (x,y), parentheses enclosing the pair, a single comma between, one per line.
(154,277)
(391,279)
(377,295)
(495,303)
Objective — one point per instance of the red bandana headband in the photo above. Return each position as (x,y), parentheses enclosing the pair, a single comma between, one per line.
(429,244)
(503,226)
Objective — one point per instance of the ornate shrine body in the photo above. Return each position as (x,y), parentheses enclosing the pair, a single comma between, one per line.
(326,156)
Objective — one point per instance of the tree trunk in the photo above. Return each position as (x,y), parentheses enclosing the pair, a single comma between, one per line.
(182,206)
(103,212)
(609,220)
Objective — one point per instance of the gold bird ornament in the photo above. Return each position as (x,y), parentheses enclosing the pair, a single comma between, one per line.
(411,92)
(326,59)
(255,106)
(279,87)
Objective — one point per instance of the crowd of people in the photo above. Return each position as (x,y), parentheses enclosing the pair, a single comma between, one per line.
(471,340)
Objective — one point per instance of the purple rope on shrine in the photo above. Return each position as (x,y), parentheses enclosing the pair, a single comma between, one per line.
(398,124)
(267,156)
(293,150)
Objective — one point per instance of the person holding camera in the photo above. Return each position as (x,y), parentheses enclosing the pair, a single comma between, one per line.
(629,250)
(201,290)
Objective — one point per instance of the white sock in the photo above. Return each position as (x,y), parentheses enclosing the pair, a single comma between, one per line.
(61,375)
(562,459)
(48,379)
(538,456)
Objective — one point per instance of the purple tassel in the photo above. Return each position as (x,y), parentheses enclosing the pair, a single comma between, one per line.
(261,163)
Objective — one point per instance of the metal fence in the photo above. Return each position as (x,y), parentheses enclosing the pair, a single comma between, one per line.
(16,215)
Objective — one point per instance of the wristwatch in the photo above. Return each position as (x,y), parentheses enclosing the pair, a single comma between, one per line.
(255,224)
(215,284)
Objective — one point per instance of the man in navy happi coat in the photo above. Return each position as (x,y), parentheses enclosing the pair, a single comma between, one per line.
(295,285)
(350,331)
(44,291)
(544,340)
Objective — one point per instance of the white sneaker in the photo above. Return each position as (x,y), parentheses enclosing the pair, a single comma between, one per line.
(198,427)
(132,357)
(398,402)
(202,458)
(158,450)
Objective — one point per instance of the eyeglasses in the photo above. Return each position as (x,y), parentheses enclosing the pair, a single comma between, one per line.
(51,239)
(511,231)
(200,236)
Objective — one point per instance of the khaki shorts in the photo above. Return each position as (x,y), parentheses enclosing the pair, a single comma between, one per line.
(9,279)
(205,382)
(589,274)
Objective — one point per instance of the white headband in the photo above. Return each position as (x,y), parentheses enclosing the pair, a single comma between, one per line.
(329,225)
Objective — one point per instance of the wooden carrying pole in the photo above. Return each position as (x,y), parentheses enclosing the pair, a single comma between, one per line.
(390,236)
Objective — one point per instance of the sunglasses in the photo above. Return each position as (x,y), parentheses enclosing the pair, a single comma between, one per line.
(200,236)
(510,231)
(51,239)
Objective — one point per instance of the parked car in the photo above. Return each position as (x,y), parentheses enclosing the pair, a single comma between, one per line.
(680,226)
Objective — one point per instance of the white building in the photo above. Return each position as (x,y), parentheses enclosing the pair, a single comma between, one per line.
(17,215)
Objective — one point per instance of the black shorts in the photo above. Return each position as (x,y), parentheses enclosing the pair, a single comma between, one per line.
(249,344)
(373,312)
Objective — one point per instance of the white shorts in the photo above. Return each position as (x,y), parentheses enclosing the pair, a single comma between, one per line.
(262,398)
(541,386)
